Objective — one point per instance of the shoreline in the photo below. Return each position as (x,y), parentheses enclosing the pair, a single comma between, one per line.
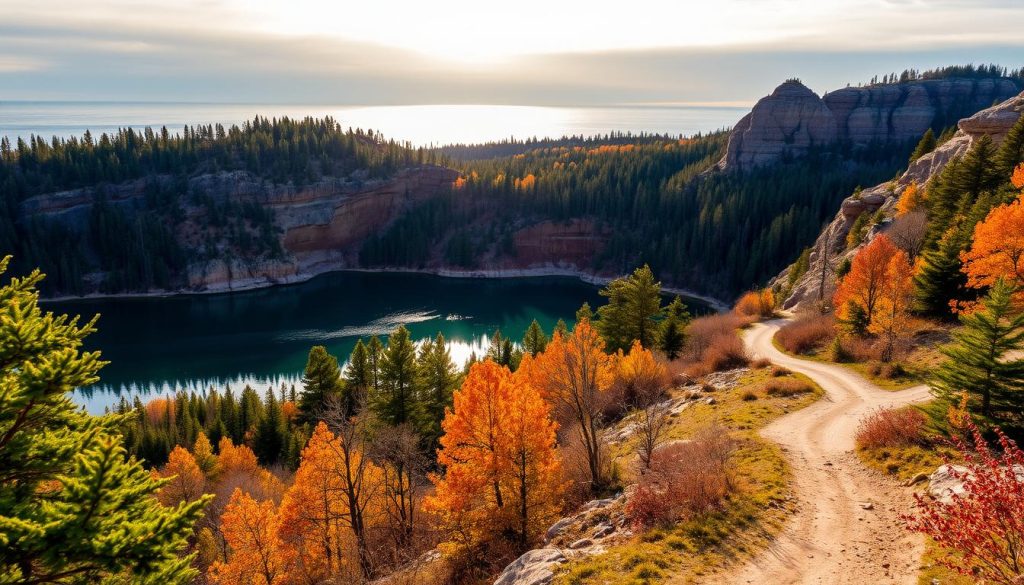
(251,284)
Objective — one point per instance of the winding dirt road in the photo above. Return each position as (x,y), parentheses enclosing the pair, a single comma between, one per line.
(845,528)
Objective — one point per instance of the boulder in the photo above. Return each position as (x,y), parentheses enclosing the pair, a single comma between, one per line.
(533,568)
(943,484)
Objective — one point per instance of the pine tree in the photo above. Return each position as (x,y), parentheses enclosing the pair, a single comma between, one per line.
(939,279)
(924,146)
(270,438)
(358,379)
(976,360)
(1011,151)
(534,340)
(560,328)
(673,328)
(632,311)
(396,402)
(320,382)
(438,378)
(73,506)
(584,313)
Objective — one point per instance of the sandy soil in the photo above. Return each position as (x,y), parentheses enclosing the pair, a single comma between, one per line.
(846,526)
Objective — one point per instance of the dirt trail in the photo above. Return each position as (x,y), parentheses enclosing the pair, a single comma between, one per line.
(845,528)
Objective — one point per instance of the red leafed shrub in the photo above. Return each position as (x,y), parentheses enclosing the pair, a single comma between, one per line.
(891,427)
(685,479)
(985,524)
(712,345)
(807,333)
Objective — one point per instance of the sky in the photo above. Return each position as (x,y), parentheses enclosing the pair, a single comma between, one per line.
(531,52)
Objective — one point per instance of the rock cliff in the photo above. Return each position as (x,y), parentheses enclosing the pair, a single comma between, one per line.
(830,248)
(793,118)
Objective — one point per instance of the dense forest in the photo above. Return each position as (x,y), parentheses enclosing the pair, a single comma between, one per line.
(135,246)
(658,199)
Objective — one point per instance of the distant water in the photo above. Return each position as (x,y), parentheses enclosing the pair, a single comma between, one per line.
(421,125)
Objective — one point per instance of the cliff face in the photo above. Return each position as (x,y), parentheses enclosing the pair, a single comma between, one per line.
(793,118)
(321,226)
(829,249)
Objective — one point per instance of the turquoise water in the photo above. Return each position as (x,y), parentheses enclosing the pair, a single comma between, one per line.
(421,125)
(262,337)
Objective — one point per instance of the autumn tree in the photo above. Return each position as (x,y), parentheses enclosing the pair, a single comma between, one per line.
(501,469)
(864,284)
(641,380)
(329,502)
(895,299)
(202,452)
(997,248)
(912,199)
(185,480)
(74,507)
(574,373)
(255,553)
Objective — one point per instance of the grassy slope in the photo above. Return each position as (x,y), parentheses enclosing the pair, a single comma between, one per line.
(685,552)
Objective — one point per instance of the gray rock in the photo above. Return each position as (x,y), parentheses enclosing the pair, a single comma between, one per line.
(942,485)
(557,528)
(604,529)
(533,568)
(581,543)
(793,118)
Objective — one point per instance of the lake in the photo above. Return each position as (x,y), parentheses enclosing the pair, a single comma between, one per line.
(262,337)
(422,125)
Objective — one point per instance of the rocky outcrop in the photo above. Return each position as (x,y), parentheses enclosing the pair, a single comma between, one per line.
(793,118)
(830,249)
(533,568)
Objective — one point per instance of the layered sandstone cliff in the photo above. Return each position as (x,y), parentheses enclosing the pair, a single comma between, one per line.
(830,248)
(793,118)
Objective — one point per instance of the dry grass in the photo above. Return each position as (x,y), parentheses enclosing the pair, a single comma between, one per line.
(691,550)
(807,333)
(786,387)
(891,427)
(685,479)
(713,345)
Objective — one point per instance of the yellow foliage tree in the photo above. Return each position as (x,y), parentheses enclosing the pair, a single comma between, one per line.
(186,482)
(911,200)
(574,373)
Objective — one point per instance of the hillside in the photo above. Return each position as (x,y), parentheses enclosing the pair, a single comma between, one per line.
(281,201)
(831,249)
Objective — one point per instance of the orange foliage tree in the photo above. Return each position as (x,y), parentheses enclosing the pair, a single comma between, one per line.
(1018,176)
(864,285)
(758,303)
(997,250)
(186,481)
(892,312)
(323,513)
(255,554)
(501,468)
(574,373)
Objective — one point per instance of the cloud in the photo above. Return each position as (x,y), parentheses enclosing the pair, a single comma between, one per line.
(213,50)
